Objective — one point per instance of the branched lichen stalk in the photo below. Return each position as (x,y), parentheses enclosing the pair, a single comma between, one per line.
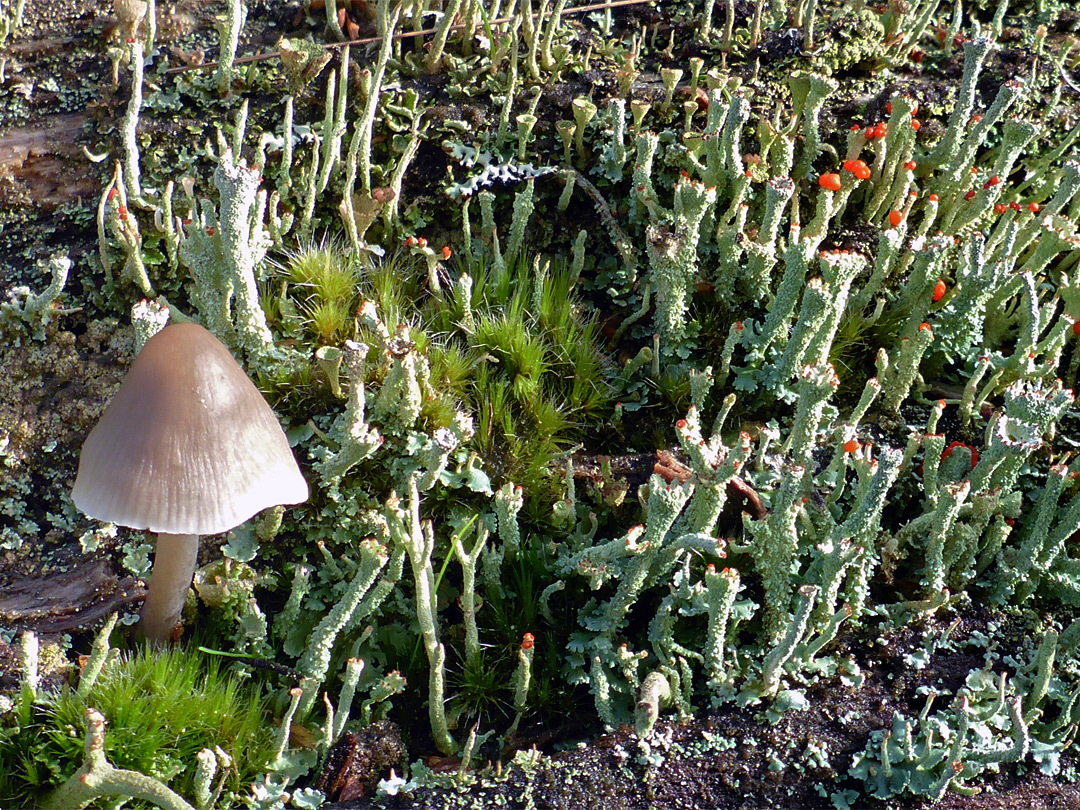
(332,20)
(902,376)
(315,661)
(358,438)
(775,541)
(97,778)
(975,53)
(673,260)
(418,540)
(763,249)
(301,584)
(783,304)
(245,243)
(950,498)
(468,560)
(773,666)
(37,310)
(811,92)
(723,587)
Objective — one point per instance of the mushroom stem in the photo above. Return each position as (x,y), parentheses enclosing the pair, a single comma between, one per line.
(174,567)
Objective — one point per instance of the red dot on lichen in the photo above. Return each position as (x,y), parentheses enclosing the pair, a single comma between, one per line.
(858,168)
(830,181)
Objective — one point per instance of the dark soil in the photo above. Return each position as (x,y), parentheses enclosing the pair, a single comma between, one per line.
(605,772)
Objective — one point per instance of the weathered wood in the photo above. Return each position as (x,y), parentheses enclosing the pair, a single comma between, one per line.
(43,164)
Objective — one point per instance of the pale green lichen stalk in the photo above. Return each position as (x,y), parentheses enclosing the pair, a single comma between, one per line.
(35,311)
(98,778)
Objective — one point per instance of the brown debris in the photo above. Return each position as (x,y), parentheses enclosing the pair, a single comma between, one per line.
(360,759)
(44,161)
(670,468)
(69,600)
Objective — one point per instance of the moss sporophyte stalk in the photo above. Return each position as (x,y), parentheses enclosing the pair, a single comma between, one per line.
(700,362)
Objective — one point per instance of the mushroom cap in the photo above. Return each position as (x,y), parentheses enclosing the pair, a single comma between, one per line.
(188,445)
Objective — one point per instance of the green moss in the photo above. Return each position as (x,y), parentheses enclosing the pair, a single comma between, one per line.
(162,707)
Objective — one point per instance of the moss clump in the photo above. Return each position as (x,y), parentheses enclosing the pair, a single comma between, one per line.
(162,706)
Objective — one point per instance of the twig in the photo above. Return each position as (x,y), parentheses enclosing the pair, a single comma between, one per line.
(264,57)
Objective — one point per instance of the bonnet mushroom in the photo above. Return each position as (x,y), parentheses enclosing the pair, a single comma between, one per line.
(188,446)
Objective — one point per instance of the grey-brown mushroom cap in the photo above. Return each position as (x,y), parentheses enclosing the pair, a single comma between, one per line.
(188,445)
